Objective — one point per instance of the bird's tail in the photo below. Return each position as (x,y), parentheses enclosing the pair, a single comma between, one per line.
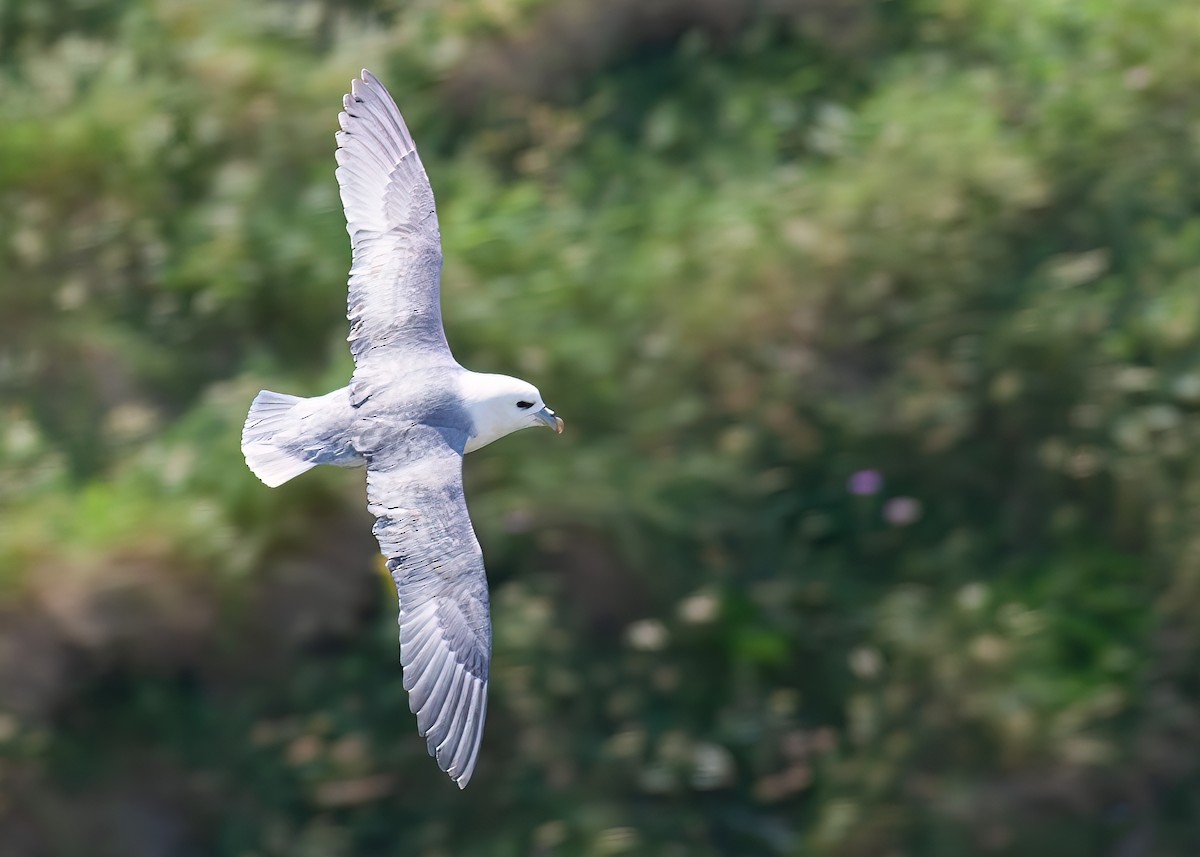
(270,460)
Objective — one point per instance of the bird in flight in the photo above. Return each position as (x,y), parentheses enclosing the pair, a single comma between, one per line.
(409,415)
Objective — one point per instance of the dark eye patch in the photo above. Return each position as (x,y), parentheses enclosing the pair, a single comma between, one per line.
(524,405)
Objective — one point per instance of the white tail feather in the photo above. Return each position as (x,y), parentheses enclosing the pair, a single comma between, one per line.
(270,414)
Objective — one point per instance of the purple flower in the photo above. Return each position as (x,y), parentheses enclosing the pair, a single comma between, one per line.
(865,483)
(902,511)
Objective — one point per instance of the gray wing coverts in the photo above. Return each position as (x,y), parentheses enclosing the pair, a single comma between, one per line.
(414,489)
(394,294)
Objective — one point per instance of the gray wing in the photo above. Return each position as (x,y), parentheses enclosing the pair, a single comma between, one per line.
(414,488)
(394,289)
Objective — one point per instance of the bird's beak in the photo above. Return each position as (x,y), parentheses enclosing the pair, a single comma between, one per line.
(547,417)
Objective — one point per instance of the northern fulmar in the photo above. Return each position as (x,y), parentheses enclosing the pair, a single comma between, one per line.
(409,415)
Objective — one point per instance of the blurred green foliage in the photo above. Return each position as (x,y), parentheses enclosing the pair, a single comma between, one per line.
(874,326)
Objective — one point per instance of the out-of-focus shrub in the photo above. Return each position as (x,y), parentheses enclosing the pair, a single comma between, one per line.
(874,329)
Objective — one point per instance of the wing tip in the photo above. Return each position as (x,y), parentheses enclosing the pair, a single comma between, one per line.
(463,756)
(462,777)
(369,84)
(455,744)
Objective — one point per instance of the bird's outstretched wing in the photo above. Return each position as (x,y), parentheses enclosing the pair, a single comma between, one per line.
(414,489)
(394,301)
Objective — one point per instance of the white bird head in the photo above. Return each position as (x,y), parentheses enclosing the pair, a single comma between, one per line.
(500,405)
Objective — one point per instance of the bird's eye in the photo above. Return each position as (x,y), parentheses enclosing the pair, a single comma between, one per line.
(524,405)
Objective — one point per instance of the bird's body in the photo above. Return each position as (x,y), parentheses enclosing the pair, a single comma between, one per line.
(321,430)
(409,415)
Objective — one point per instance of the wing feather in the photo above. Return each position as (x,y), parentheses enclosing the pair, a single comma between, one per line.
(450,717)
(414,488)
(467,750)
(393,300)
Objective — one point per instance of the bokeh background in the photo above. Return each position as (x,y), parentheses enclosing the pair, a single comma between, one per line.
(874,529)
